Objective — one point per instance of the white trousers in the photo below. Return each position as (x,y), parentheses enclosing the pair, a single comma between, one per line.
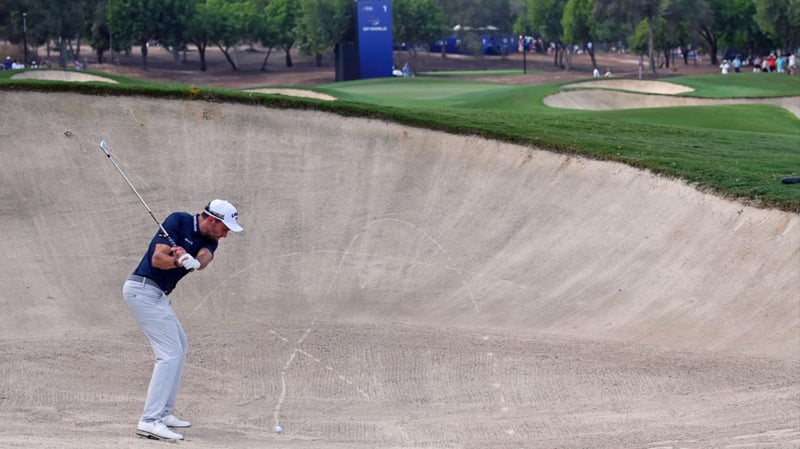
(153,312)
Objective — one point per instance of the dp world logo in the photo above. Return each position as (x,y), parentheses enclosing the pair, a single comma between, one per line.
(374,21)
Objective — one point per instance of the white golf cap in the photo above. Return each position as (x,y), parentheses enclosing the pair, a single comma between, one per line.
(226,213)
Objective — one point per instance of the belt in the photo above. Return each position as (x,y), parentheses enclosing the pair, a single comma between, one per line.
(145,281)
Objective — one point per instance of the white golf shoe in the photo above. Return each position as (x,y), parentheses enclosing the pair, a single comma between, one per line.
(156,430)
(173,421)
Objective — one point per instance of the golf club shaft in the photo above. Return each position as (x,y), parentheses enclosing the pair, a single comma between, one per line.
(104,147)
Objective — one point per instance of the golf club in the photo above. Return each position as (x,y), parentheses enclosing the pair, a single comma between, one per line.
(104,147)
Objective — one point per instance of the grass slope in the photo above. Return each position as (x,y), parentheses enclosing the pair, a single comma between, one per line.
(737,151)
(741,85)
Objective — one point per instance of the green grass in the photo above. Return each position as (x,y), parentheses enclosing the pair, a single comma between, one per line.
(478,72)
(757,118)
(413,92)
(744,84)
(736,151)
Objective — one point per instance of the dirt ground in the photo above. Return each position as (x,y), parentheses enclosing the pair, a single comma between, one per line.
(393,288)
(305,72)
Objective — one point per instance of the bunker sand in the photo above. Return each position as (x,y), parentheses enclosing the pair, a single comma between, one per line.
(61,75)
(303,93)
(394,287)
(643,86)
(639,94)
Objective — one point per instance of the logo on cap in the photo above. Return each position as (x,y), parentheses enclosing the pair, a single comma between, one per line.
(226,213)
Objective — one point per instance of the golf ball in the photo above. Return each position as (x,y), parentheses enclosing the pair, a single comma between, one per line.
(278,429)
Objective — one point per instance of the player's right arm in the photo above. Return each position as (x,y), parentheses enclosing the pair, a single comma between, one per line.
(166,257)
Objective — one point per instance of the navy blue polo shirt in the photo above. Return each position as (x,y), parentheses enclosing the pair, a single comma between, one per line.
(185,230)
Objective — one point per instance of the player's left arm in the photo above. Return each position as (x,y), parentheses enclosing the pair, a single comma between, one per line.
(204,256)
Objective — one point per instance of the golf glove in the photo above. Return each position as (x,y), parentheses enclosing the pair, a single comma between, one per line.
(188,262)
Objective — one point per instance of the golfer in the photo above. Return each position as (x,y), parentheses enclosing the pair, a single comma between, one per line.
(146,293)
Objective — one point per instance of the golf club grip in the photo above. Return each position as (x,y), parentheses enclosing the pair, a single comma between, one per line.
(170,239)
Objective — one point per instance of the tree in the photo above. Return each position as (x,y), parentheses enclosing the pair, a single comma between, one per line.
(282,18)
(576,23)
(495,13)
(655,34)
(219,22)
(633,11)
(780,19)
(476,14)
(545,16)
(223,23)
(522,26)
(173,33)
(140,21)
(313,29)
(739,24)
(100,37)
(12,21)
(67,19)
(417,22)
(471,18)
(237,19)
(321,25)
(723,23)
(200,27)
(678,16)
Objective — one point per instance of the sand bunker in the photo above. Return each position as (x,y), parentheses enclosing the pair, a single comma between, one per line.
(294,93)
(60,75)
(643,86)
(603,100)
(590,95)
(394,288)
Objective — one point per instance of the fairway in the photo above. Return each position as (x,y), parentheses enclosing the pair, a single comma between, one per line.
(622,121)
(476,72)
(414,91)
(742,85)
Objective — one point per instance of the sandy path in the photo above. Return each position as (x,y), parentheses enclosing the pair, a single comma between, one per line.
(394,288)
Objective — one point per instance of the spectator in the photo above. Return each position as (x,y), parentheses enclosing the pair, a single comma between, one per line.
(725,66)
(406,70)
(780,64)
(596,73)
(9,63)
(757,64)
(737,64)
